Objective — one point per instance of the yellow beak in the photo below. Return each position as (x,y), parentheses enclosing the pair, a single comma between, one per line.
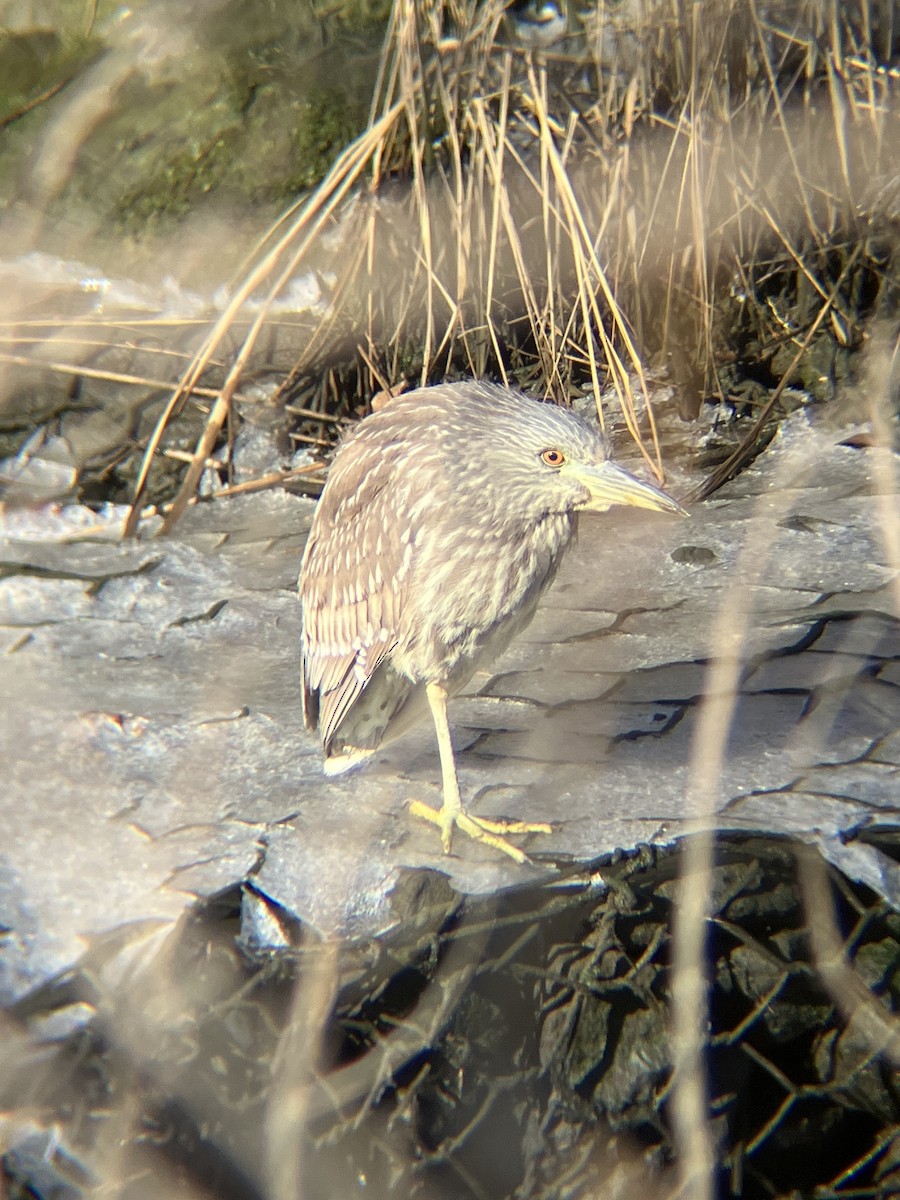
(610,485)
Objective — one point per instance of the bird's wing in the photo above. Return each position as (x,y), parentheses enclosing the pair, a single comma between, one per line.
(351,587)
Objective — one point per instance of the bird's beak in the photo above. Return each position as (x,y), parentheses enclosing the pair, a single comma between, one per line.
(609,485)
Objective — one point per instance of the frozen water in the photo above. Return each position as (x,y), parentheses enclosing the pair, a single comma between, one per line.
(153,748)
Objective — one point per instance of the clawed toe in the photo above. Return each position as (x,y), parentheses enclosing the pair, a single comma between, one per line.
(502,827)
(479,828)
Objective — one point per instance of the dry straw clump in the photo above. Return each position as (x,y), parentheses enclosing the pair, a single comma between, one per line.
(673,186)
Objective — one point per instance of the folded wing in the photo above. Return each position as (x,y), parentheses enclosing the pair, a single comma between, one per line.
(351,587)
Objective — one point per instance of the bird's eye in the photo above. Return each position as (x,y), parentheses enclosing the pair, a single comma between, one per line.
(553,458)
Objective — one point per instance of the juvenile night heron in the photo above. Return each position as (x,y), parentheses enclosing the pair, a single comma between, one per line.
(444,517)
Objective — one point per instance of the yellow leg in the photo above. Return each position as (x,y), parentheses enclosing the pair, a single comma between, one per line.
(452,812)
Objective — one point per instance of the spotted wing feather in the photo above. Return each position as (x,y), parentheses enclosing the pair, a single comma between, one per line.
(351,587)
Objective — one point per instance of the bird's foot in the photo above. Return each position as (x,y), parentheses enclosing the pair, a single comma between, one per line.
(479,828)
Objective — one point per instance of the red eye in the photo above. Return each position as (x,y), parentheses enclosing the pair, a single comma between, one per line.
(553,458)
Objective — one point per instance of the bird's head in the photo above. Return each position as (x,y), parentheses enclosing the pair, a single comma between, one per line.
(546,459)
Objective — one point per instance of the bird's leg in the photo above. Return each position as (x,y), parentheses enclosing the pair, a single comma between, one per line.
(452,812)
(452,804)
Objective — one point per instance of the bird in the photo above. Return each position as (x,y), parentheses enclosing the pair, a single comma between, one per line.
(444,517)
(537,24)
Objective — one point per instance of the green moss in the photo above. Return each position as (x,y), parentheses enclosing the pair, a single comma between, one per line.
(177,181)
(328,121)
(254,112)
(266,156)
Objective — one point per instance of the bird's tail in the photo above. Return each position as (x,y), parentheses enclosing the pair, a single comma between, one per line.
(346,759)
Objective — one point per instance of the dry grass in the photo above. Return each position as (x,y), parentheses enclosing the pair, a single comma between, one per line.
(564,221)
(704,193)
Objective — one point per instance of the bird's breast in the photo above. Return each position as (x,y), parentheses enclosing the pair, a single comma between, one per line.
(472,593)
